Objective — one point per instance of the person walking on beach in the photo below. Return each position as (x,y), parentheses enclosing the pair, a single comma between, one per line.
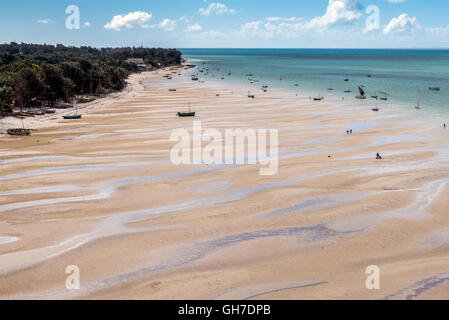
(378,157)
(444,126)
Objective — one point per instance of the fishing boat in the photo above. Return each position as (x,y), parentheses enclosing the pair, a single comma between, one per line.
(19,132)
(384,98)
(172,90)
(418,107)
(434,88)
(376,109)
(73,116)
(319,98)
(36,112)
(51,111)
(251,96)
(195,78)
(63,106)
(186,114)
(346,79)
(362,95)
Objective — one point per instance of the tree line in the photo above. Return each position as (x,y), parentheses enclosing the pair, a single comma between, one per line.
(33,74)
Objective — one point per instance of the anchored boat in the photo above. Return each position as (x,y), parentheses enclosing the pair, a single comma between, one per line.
(186,114)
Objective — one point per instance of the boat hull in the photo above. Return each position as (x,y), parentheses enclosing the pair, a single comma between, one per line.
(186,114)
(73,117)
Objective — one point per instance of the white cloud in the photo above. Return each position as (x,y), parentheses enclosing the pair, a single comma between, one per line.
(216,8)
(45,21)
(167,25)
(338,11)
(277,19)
(87,24)
(402,24)
(194,27)
(128,21)
(396,1)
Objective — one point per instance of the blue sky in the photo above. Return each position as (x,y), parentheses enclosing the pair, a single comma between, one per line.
(231,23)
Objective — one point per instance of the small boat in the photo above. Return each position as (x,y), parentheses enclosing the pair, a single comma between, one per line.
(376,109)
(346,79)
(375,97)
(251,96)
(369,76)
(51,111)
(186,114)
(318,98)
(73,116)
(348,91)
(384,98)
(36,112)
(362,95)
(172,90)
(19,132)
(195,78)
(434,88)
(418,107)
(63,107)
(330,89)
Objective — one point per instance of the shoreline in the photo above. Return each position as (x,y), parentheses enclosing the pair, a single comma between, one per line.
(50,120)
(102,194)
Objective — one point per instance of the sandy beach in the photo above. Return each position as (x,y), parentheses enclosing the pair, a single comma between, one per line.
(101,193)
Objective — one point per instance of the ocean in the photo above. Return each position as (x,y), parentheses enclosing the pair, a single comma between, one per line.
(405,75)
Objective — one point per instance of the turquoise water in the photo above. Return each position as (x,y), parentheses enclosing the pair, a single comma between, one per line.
(404,74)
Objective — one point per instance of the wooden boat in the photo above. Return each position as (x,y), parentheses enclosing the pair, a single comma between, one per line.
(19,132)
(362,95)
(73,117)
(36,112)
(51,111)
(195,78)
(251,96)
(172,90)
(376,109)
(434,88)
(318,99)
(346,79)
(418,107)
(384,98)
(186,114)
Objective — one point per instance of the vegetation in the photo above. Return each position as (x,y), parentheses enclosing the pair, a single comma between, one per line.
(32,74)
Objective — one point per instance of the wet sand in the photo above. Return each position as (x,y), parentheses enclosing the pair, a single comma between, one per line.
(101,193)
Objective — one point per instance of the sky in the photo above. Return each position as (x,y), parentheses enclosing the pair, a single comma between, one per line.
(229,23)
